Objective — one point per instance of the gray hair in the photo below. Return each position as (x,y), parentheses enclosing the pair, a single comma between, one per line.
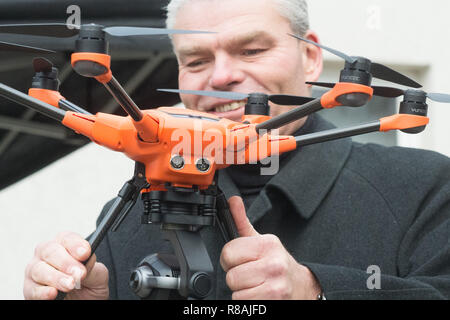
(296,11)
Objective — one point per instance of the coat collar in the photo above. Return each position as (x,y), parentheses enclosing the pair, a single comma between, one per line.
(305,177)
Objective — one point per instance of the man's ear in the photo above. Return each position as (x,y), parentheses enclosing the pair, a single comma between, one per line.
(312,62)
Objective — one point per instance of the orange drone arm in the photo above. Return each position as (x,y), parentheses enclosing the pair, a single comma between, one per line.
(402,121)
(329,99)
(48,96)
(104,60)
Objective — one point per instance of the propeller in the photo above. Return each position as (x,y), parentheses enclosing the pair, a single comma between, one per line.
(63,30)
(281,99)
(395,92)
(439,97)
(386,92)
(363,64)
(46,75)
(6,46)
(389,92)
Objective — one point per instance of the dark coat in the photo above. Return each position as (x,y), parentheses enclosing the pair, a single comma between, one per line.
(339,208)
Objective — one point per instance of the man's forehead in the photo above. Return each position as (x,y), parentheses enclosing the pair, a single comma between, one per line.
(225,15)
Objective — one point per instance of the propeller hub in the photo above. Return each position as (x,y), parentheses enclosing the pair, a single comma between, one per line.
(91,31)
(357,72)
(414,103)
(92,39)
(415,96)
(361,64)
(257,104)
(46,76)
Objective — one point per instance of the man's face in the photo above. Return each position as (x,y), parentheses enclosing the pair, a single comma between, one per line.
(251,52)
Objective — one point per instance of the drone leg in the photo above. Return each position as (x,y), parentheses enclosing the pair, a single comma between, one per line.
(225,220)
(125,199)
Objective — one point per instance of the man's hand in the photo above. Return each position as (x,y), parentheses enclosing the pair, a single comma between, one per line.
(259,267)
(57,265)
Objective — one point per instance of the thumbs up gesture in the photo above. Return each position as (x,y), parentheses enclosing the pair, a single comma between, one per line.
(258,267)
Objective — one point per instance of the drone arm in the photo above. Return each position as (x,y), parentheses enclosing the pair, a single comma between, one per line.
(263,146)
(342,93)
(291,116)
(55,99)
(335,134)
(146,125)
(69,106)
(31,102)
(395,122)
(98,66)
(402,122)
(346,93)
(124,100)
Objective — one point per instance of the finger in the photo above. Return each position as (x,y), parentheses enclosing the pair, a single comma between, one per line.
(97,277)
(80,274)
(241,250)
(54,254)
(243,225)
(266,291)
(245,276)
(255,293)
(45,275)
(77,247)
(33,291)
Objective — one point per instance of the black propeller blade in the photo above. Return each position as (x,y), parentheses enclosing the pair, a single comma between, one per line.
(281,99)
(384,73)
(62,30)
(5,46)
(42,65)
(388,92)
(342,55)
(377,70)
(439,97)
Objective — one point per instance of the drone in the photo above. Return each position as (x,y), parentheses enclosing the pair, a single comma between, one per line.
(179,188)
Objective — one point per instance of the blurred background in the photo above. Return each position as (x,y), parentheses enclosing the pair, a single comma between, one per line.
(52,180)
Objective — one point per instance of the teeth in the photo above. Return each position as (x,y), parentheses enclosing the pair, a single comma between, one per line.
(230,106)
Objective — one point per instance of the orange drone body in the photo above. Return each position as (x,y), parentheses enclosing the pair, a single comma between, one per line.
(219,141)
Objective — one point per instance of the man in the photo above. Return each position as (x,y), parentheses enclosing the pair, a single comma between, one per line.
(333,213)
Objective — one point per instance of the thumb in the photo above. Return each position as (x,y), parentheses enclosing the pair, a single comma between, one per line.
(243,225)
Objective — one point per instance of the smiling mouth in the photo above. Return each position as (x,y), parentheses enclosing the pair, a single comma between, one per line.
(229,107)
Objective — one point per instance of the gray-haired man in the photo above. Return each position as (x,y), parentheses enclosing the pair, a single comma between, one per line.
(333,211)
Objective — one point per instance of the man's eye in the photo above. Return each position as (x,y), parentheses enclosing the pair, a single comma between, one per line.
(252,52)
(195,63)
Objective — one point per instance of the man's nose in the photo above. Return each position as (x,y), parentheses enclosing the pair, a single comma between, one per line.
(226,73)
